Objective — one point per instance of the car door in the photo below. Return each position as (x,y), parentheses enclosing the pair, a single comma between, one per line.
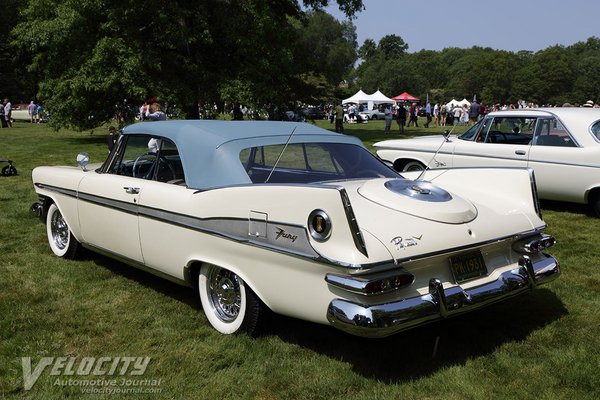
(108,199)
(165,212)
(500,142)
(563,170)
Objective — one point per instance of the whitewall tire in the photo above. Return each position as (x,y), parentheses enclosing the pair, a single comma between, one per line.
(413,166)
(61,240)
(230,306)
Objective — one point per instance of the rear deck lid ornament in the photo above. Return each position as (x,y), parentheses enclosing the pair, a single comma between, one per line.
(419,198)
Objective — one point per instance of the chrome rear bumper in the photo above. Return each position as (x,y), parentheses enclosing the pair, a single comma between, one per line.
(386,319)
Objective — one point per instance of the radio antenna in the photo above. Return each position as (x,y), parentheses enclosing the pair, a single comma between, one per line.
(280,154)
(446,134)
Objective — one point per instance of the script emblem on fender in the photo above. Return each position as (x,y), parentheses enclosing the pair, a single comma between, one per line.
(402,243)
(286,235)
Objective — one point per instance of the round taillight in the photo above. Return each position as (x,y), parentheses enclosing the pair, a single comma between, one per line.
(319,225)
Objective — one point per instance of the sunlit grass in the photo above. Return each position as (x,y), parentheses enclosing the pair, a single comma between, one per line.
(542,345)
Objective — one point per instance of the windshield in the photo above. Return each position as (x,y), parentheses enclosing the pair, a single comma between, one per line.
(471,133)
(312,162)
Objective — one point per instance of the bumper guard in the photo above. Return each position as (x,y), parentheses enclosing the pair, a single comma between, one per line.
(386,319)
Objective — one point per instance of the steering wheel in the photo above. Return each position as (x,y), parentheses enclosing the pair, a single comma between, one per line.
(136,164)
(162,162)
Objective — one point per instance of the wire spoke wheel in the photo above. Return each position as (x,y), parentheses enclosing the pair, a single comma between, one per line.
(225,294)
(60,237)
(230,306)
(59,230)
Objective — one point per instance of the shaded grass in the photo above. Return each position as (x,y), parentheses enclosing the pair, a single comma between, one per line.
(543,344)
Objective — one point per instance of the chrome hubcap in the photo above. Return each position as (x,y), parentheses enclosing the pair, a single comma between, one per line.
(60,230)
(224,293)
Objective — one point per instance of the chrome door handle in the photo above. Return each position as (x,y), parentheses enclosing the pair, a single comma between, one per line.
(131,189)
(520,152)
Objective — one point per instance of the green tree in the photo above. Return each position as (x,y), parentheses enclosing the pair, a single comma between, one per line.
(392,46)
(547,78)
(17,84)
(586,70)
(94,56)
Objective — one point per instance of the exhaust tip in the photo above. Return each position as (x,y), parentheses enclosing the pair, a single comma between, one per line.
(37,209)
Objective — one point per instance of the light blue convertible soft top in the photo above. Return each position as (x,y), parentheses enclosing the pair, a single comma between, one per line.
(209,149)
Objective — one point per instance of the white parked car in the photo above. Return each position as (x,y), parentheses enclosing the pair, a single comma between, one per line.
(19,112)
(300,220)
(372,114)
(562,146)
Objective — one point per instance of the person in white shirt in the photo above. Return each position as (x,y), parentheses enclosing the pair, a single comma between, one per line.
(8,113)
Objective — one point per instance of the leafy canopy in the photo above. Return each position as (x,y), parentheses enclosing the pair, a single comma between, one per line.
(94,57)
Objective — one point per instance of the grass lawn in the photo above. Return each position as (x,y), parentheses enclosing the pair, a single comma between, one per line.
(542,345)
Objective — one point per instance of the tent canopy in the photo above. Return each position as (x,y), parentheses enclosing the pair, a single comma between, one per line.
(371,99)
(380,98)
(405,97)
(359,97)
(455,103)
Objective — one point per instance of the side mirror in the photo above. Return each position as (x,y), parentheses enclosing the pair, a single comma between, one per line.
(83,159)
(446,135)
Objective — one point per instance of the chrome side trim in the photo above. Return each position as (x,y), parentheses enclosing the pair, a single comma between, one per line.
(129,208)
(235,229)
(382,320)
(66,192)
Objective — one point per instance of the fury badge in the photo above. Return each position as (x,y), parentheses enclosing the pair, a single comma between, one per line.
(286,235)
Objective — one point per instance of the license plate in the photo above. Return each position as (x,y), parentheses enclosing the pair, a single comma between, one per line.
(467,266)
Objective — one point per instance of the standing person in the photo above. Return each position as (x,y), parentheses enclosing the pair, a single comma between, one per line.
(388,118)
(443,112)
(31,109)
(351,113)
(482,110)
(436,114)
(156,113)
(450,115)
(2,120)
(464,118)
(111,138)
(401,117)
(413,115)
(144,110)
(339,119)
(39,111)
(8,113)
(474,112)
(457,112)
(428,113)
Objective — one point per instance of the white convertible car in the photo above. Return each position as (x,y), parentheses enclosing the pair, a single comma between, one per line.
(562,146)
(302,221)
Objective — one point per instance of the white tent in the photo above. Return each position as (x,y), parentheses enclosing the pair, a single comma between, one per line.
(380,98)
(359,97)
(464,102)
(455,103)
(452,103)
